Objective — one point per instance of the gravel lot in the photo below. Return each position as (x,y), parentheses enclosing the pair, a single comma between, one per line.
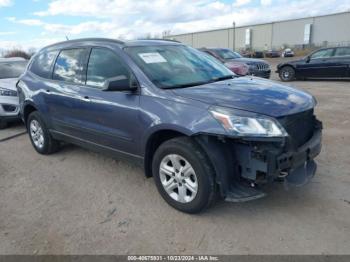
(79,202)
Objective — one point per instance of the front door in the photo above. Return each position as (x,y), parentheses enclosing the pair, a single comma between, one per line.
(108,118)
(319,64)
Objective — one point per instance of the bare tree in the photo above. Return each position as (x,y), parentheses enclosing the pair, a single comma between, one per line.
(17,53)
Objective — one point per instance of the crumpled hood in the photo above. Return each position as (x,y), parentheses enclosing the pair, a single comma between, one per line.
(251,94)
(9,83)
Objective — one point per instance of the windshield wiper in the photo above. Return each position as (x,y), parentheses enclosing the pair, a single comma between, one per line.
(222,78)
(201,83)
(186,85)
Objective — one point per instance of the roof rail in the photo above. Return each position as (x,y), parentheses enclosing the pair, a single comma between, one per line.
(160,39)
(86,39)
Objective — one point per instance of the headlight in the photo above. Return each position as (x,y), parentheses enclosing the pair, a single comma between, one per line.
(243,125)
(7,92)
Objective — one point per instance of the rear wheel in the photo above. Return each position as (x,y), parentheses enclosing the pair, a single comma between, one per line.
(287,73)
(40,136)
(183,175)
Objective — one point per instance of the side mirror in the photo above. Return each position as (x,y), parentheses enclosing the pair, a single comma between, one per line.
(307,59)
(121,83)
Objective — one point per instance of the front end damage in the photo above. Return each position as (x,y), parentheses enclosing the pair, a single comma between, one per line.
(243,165)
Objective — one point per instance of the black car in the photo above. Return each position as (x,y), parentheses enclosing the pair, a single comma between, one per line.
(257,67)
(272,53)
(323,63)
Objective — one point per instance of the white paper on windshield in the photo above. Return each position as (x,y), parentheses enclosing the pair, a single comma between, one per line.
(151,58)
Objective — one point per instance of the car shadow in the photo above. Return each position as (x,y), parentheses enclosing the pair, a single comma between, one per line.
(278,199)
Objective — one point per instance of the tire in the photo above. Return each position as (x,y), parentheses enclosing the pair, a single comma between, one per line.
(41,139)
(287,73)
(3,124)
(199,175)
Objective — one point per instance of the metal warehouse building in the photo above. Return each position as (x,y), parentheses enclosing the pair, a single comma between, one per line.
(326,30)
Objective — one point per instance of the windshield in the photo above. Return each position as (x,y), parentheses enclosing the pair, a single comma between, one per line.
(12,69)
(177,66)
(227,54)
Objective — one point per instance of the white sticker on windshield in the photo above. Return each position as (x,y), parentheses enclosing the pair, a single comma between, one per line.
(151,58)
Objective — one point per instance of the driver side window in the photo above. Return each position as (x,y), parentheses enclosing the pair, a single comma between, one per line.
(105,65)
(326,53)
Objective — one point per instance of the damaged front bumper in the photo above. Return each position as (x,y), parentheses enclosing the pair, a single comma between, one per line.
(262,162)
(245,164)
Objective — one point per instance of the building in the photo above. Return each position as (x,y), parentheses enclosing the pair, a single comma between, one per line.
(326,30)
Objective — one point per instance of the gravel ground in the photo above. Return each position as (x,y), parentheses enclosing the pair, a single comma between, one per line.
(79,202)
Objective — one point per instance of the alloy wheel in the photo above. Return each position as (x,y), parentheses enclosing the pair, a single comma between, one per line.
(37,134)
(178,178)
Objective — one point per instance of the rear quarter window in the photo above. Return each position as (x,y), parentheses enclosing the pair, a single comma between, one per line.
(42,64)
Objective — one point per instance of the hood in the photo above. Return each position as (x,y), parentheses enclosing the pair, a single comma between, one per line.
(251,94)
(248,61)
(9,83)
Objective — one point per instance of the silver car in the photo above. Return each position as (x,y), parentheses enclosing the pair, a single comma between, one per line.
(10,70)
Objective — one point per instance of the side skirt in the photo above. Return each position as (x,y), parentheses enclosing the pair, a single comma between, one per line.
(114,153)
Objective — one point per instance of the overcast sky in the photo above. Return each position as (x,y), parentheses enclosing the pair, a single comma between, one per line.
(36,23)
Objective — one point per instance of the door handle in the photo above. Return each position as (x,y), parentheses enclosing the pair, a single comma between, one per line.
(86,98)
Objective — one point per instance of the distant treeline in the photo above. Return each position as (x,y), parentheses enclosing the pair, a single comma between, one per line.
(16,53)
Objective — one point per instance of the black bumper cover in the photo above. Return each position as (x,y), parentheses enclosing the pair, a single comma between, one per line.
(265,162)
(240,164)
(12,118)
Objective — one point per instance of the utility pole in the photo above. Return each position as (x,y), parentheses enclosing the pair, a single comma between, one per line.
(234,35)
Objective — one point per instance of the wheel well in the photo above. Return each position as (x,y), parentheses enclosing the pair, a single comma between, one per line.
(153,143)
(26,112)
(287,65)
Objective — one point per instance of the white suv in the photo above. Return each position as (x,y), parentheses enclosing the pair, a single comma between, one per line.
(10,70)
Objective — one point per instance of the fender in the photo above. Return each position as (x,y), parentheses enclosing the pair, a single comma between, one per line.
(163,127)
(222,158)
(23,107)
(283,65)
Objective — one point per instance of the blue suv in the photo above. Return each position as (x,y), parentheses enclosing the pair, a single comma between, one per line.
(198,129)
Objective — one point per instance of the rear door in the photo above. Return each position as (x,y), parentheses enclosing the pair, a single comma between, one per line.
(64,91)
(320,64)
(342,55)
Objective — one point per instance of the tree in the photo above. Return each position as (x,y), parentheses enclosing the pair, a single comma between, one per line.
(17,53)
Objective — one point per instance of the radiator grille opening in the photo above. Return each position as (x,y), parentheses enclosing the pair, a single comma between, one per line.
(299,126)
(9,108)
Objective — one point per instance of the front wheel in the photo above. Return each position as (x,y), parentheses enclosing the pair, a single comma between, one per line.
(287,73)
(183,175)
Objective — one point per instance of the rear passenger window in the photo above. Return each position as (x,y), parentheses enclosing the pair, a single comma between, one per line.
(68,66)
(342,51)
(104,64)
(42,64)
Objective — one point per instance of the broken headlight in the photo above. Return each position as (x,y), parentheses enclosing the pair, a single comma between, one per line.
(240,123)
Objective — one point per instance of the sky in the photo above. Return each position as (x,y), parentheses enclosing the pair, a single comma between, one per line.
(35,23)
